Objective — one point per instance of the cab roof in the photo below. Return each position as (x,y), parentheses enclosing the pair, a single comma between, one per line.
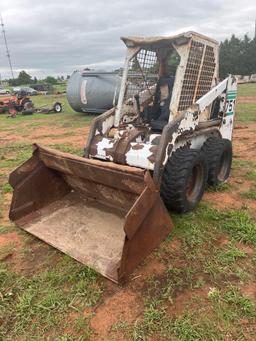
(162,41)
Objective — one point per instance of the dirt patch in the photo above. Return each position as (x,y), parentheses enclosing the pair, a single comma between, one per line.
(35,260)
(5,214)
(189,297)
(244,142)
(11,238)
(49,136)
(152,267)
(124,305)
(149,268)
(223,200)
(223,240)
(245,248)
(249,291)
(247,99)
(244,145)
(231,197)
(175,245)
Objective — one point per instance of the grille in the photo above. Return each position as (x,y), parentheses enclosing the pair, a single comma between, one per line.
(198,75)
(207,73)
(142,73)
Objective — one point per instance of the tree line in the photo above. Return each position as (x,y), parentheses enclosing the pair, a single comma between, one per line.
(24,78)
(238,56)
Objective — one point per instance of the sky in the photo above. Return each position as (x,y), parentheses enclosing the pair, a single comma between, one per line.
(57,37)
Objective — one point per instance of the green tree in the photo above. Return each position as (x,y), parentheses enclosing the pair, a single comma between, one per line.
(23,78)
(237,56)
(51,80)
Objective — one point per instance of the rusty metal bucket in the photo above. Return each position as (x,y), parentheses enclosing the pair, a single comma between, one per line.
(105,215)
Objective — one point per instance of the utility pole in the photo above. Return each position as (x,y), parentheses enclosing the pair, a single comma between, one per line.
(6,46)
(255,31)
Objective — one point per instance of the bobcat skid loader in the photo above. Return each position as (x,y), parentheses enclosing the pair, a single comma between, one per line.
(169,135)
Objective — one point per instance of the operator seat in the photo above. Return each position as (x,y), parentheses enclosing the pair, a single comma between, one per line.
(161,106)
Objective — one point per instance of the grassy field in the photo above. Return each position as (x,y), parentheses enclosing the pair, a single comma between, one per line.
(57,88)
(200,284)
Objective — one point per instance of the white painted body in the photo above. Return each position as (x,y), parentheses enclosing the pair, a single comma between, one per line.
(186,119)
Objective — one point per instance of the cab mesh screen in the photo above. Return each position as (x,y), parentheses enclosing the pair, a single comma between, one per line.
(142,73)
(198,75)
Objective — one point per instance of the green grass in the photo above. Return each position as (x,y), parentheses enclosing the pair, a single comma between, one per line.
(250,194)
(6,250)
(7,188)
(68,149)
(206,263)
(223,187)
(31,307)
(5,229)
(244,305)
(193,226)
(60,87)
(211,322)
(12,155)
(204,271)
(246,112)
(251,175)
(68,117)
(230,255)
(247,89)
(244,168)
(238,223)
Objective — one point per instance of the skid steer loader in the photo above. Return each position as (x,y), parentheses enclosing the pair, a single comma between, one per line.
(169,135)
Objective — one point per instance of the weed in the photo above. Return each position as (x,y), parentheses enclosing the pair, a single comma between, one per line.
(230,255)
(188,330)
(7,188)
(231,304)
(238,223)
(120,325)
(35,305)
(214,294)
(250,194)
(153,320)
(70,338)
(14,154)
(222,187)
(6,251)
(199,283)
(6,228)
(242,303)
(251,174)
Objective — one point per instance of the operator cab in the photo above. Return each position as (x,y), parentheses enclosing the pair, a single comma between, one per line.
(158,113)
(149,91)
(149,84)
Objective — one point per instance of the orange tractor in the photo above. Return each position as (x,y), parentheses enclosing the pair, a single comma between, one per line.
(14,104)
(22,104)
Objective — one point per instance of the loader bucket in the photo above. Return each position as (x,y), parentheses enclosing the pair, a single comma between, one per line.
(104,215)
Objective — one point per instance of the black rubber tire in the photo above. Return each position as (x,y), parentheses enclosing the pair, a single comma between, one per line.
(185,168)
(218,153)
